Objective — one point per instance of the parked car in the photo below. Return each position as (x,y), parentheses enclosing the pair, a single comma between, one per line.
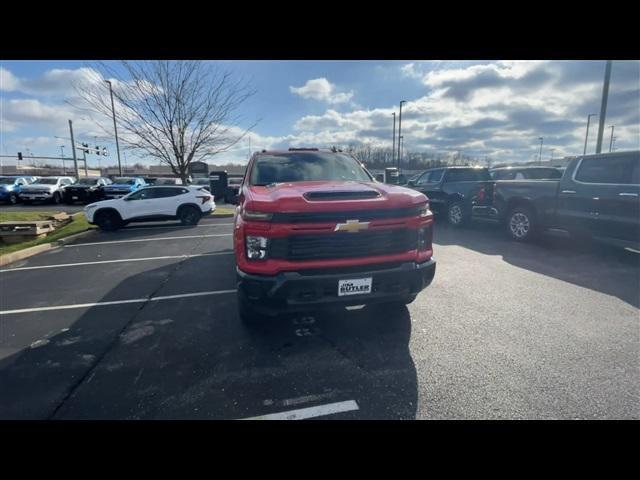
(460,193)
(202,182)
(45,189)
(10,188)
(314,230)
(187,204)
(526,173)
(233,188)
(168,181)
(596,198)
(122,186)
(86,190)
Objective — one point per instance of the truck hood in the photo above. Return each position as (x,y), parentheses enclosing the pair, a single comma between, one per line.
(323,196)
(38,186)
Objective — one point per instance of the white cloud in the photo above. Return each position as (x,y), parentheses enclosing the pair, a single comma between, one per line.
(8,81)
(321,89)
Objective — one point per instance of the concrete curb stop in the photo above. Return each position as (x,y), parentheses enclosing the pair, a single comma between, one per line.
(31,251)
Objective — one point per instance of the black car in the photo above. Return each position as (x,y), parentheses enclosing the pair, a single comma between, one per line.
(85,190)
(526,173)
(598,197)
(460,193)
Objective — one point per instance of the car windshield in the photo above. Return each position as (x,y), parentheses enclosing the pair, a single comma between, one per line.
(47,181)
(7,181)
(86,181)
(301,167)
(124,181)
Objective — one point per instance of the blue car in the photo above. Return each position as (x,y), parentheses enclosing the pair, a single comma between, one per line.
(10,188)
(122,186)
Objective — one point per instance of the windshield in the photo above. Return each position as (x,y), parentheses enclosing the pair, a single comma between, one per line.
(301,167)
(86,181)
(7,181)
(124,181)
(47,181)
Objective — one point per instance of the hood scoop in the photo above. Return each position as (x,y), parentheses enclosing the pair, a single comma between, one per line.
(341,195)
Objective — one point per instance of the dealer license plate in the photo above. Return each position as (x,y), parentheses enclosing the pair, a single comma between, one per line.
(354,286)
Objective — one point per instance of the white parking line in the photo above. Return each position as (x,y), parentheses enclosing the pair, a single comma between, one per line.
(115,302)
(125,260)
(201,225)
(147,240)
(310,412)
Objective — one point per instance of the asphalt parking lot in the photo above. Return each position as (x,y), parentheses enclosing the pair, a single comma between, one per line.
(142,324)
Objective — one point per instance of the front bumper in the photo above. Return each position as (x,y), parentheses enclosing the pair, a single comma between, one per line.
(36,196)
(299,291)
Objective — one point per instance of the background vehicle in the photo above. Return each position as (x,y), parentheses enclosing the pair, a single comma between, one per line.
(122,186)
(526,173)
(187,204)
(168,181)
(202,182)
(315,230)
(46,189)
(86,190)
(597,197)
(460,193)
(233,189)
(10,188)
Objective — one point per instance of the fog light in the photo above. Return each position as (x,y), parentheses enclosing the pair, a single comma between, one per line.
(256,247)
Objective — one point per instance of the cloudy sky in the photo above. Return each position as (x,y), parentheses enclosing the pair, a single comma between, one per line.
(495,109)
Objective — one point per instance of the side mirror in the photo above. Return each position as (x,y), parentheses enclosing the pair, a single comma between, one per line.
(411,183)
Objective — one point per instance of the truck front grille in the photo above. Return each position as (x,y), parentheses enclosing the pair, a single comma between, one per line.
(343,245)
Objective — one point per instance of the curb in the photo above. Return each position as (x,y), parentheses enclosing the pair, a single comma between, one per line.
(31,251)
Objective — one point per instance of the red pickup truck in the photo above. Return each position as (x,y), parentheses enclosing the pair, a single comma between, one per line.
(314,229)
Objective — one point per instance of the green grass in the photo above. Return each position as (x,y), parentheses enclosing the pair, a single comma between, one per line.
(224,211)
(78,224)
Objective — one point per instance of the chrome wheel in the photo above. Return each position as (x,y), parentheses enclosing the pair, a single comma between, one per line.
(455,214)
(519,225)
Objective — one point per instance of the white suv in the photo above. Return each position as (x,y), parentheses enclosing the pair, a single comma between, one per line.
(187,204)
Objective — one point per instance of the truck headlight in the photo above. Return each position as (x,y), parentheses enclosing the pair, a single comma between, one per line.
(424,211)
(256,247)
(252,215)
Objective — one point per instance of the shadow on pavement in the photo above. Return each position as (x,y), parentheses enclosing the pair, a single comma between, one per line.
(191,358)
(612,271)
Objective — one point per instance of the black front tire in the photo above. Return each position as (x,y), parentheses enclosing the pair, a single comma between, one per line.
(521,224)
(56,199)
(108,221)
(189,215)
(13,199)
(248,316)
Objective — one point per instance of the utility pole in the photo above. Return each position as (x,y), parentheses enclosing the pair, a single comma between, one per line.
(400,131)
(115,128)
(603,106)
(540,155)
(84,157)
(587,134)
(73,150)
(393,149)
(64,170)
(611,141)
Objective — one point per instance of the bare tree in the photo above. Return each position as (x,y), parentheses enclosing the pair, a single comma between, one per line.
(174,111)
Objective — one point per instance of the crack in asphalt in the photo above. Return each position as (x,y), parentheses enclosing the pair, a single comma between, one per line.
(91,370)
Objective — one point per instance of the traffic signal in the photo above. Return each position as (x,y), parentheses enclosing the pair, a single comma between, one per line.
(19,155)
(97,152)
(104,151)
(86,147)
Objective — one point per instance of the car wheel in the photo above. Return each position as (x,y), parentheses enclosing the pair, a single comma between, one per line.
(108,221)
(455,214)
(13,199)
(56,198)
(521,224)
(189,215)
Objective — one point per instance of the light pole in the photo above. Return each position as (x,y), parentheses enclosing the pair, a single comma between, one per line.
(614,144)
(401,140)
(551,150)
(587,134)
(393,149)
(611,141)
(540,155)
(400,130)
(64,170)
(115,128)
(603,106)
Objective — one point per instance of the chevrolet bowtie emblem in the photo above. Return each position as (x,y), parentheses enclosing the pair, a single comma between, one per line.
(352,226)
